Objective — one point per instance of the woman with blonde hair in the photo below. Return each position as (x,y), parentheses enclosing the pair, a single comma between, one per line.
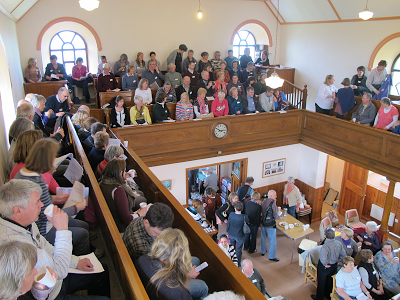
(144,91)
(139,64)
(166,271)
(326,95)
(79,118)
(346,239)
(32,72)
(200,106)
(184,110)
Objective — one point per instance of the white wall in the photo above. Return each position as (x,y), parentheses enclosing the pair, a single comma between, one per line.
(306,169)
(159,26)
(334,172)
(316,50)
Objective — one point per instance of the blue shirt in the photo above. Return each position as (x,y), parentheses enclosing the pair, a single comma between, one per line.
(251,106)
(350,282)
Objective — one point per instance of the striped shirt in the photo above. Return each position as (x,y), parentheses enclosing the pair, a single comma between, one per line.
(230,251)
(182,113)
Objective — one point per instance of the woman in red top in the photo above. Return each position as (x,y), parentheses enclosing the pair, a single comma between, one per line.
(81,79)
(220,84)
(387,115)
(222,70)
(220,106)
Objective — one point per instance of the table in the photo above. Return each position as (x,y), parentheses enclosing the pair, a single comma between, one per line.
(294,233)
(304,212)
(212,232)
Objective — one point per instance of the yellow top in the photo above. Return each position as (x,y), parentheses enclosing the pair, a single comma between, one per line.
(146,114)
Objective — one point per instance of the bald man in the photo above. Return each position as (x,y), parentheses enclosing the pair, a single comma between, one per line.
(85,108)
(59,103)
(21,102)
(251,273)
(268,225)
(185,87)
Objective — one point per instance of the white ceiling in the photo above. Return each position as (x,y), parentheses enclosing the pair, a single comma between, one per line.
(15,9)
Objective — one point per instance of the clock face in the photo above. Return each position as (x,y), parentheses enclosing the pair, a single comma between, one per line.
(220,130)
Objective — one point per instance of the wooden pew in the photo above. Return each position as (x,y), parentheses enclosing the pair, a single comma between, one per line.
(221,274)
(123,265)
(105,97)
(45,88)
(96,92)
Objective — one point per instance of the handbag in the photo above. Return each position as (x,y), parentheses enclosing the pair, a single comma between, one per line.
(218,220)
(246,228)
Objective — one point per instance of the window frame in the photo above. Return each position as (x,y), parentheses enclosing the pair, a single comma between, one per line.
(247,44)
(393,70)
(61,59)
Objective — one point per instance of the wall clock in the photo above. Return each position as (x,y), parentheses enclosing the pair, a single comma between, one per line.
(220,130)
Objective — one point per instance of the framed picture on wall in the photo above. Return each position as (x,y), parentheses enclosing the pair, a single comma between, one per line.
(274,167)
(167,184)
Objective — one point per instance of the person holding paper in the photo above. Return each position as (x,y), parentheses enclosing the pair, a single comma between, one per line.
(81,78)
(348,282)
(167,270)
(39,161)
(153,74)
(55,71)
(20,207)
(59,104)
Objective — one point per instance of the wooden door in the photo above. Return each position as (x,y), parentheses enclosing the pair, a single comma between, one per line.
(238,174)
(354,185)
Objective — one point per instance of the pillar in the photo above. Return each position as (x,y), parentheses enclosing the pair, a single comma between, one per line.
(386,210)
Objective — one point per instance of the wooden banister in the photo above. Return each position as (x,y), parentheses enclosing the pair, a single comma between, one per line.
(129,278)
(296,96)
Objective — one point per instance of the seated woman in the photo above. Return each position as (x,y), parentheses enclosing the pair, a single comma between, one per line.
(55,71)
(78,119)
(130,80)
(40,119)
(139,113)
(200,105)
(348,281)
(184,110)
(388,265)
(280,100)
(38,162)
(153,58)
(220,84)
(169,90)
(119,113)
(122,201)
(237,84)
(369,239)
(387,115)
(208,68)
(224,71)
(32,72)
(112,152)
(349,245)
(263,61)
(139,64)
(370,277)
(235,69)
(81,78)
(160,110)
(344,99)
(144,91)
(120,66)
(220,106)
(166,271)
(228,249)
(203,61)
(234,101)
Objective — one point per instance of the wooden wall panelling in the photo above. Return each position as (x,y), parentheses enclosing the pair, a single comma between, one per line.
(201,245)
(98,113)
(378,197)
(46,88)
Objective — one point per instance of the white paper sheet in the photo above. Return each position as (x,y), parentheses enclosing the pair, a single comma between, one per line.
(168,121)
(210,98)
(54,76)
(98,268)
(60,159)
(74,171)
(114,142)
(116,90)
(65,190)
(77,194)
(362,296)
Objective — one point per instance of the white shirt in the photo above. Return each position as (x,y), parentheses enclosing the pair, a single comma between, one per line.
(325,91)
(145,94)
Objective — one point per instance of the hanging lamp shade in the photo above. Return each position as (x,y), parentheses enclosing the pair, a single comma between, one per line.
(366,14)
(89,5)
(274,81)
(199,14)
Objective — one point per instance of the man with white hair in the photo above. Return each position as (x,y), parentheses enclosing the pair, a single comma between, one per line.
(268,225)
(59,104)
(251,273)
(106,81)
(185,87)
(20,207)
(172,76)
(25,110)
(205,83)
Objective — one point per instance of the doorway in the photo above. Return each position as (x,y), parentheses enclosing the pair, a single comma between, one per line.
(231,175)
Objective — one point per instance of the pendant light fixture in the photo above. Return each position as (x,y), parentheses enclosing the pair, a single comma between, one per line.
(366,14)
(89,5)
(199,13)
(274,81)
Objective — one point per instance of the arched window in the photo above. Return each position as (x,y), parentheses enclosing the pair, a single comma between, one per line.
(244,39)
(395,89)
(68,46)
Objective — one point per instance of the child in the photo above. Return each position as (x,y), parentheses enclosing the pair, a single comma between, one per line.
(197,205)
(234,229)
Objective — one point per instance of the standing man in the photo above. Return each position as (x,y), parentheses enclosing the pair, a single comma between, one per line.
(330,254)
(252,209)
(245,59)
(254,276)
(245,189)
(268,225)
(176,57)
(59,104)
(229,59)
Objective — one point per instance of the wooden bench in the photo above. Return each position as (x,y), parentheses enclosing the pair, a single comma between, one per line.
(123,265)
(45,88)
(221,274)
(96,92)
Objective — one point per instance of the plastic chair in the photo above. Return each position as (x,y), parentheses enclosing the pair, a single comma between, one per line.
(325,223)
(352,220)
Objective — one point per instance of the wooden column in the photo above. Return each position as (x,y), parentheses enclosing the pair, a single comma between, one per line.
(386,211)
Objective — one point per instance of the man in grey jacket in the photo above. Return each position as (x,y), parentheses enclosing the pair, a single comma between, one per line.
(176,57)
(19,209)
(366,112)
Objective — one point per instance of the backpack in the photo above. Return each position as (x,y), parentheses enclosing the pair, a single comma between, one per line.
(268,217)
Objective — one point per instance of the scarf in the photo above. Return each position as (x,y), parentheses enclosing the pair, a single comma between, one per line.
(40,115)
(129,193)
(202,105)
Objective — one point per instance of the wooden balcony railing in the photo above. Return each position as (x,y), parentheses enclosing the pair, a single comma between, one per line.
(295,95)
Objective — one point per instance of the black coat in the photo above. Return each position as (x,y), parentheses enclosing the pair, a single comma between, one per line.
(113,117)
(245,103)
